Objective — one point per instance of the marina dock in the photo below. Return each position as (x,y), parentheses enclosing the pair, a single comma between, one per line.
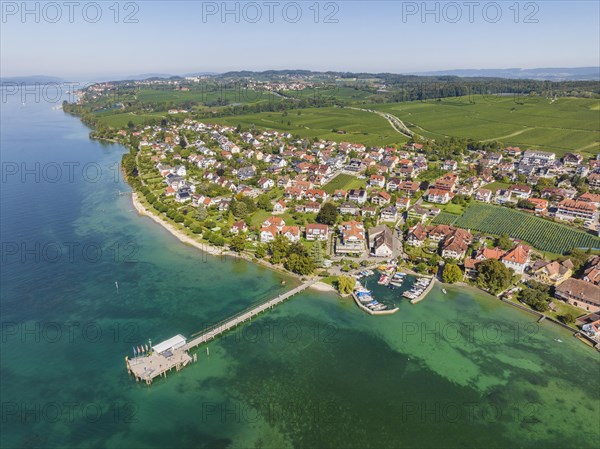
(173,353)
(425,292)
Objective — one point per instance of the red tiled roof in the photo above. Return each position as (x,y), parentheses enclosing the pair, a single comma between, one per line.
(519,254)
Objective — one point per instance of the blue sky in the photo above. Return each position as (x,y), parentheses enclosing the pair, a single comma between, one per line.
(371,36)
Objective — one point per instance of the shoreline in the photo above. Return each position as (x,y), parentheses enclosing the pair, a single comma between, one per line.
(207,247)
(142,210)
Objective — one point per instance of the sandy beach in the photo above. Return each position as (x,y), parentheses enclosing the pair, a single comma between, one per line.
(323,287)
(141,209)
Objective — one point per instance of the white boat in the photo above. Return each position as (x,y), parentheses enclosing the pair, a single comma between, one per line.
(444,291)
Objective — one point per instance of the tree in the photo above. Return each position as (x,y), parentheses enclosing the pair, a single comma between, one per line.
(261,251)
(279,248)
(525,204)
(421,267)
(345,284)
(297,248)
(201,213)
(536,299)
(452,273)
(316,254)
(578,257)
(493,276)
(568,318)
(239,209)
(196,228)
(328,214)
(299,264)
(238,242)
(264,202)
(504,242)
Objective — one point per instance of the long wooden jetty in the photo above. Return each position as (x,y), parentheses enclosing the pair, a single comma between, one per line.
(214,331)
(148,367)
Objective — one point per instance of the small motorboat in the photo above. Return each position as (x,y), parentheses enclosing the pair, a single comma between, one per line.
(444,291)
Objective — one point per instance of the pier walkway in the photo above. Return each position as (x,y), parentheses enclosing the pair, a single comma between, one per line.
(146,368)
(214,331)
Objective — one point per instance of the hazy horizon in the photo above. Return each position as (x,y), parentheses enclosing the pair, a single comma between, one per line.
(181,37)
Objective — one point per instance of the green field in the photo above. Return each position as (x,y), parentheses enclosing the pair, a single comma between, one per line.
(495,186)
(344,182)
(341,93)
(541,234)
(209,94)
(359,127)
(445,218)
(121,120)
(567,124)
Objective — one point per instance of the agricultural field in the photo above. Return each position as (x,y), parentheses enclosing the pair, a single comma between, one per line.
(344,182)
(343,94)
(541,234)
(331,123)
(121,120)
(561,126)
(445,218)
(206,94)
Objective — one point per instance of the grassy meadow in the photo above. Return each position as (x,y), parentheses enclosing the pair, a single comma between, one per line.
(344,182)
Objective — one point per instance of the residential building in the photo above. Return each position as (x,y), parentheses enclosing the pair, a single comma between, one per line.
(381,197)
(358,195)
(447,182)
(352,238)
(520,192)
(381,241)
(377,181)
(317,232)
(349,208)
(389,213)
(292,233)
(541,206)
(279,207)
(483,195)
(517,258)
(439,196)
(239,226)
(579,294)
(409,187)
(402,203)
(268,233)
(552,273)
(573,210)
(594,180)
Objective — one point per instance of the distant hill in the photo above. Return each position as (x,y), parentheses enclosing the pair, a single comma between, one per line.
(200,74)
(146,76)
(537,74)
(545,74)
